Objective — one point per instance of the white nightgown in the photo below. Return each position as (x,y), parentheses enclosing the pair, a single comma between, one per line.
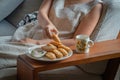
(64,14)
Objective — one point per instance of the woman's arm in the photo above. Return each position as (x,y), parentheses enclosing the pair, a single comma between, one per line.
(44,20)
(43,13)
(89,22)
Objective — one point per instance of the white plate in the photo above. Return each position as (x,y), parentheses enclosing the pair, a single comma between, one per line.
(47,59)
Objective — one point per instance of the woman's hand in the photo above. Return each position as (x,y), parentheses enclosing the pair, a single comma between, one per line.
(50,29)
(44,20)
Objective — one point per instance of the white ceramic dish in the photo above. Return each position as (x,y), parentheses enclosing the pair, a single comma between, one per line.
(49,60)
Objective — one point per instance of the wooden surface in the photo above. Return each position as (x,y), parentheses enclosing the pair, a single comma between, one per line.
(100,51)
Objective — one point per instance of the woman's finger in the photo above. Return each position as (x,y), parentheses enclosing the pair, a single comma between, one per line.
(48,32)
(55,31)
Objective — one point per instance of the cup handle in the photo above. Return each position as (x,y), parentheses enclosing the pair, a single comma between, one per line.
(90,43)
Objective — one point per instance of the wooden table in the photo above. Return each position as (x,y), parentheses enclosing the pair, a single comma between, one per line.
(28,69)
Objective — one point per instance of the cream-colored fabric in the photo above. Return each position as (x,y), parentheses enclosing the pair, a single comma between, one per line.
(7,61)
(108,27)
(31,30)
(67,14)
(10,50)
(8,73)
(65,19)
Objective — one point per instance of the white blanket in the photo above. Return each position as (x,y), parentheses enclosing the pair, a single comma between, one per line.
(10,50)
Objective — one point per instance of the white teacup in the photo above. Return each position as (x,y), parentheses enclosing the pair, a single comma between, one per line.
(83,43)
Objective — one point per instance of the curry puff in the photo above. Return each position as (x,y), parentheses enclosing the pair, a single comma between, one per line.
(49,47)
(55,38)
(64,47)
(50,55)
(58,53)
(63,51)
(56,43)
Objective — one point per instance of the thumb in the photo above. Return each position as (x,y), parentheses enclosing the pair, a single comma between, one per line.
(55,31)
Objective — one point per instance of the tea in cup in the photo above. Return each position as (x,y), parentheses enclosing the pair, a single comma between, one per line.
(83,43)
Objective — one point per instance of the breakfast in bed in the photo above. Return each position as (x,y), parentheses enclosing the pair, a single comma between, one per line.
(52,50)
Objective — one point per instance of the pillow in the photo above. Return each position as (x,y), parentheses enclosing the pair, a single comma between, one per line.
(22,10)
(7,6)
(6,29)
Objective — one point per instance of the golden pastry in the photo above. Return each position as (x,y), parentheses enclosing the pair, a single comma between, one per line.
(50,55)
(55,38)
(57,53)
(55,43)
(49,47)
(63,51)
(64,47)
(52,46)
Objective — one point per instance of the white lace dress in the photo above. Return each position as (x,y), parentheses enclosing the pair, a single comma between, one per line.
(64,14)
